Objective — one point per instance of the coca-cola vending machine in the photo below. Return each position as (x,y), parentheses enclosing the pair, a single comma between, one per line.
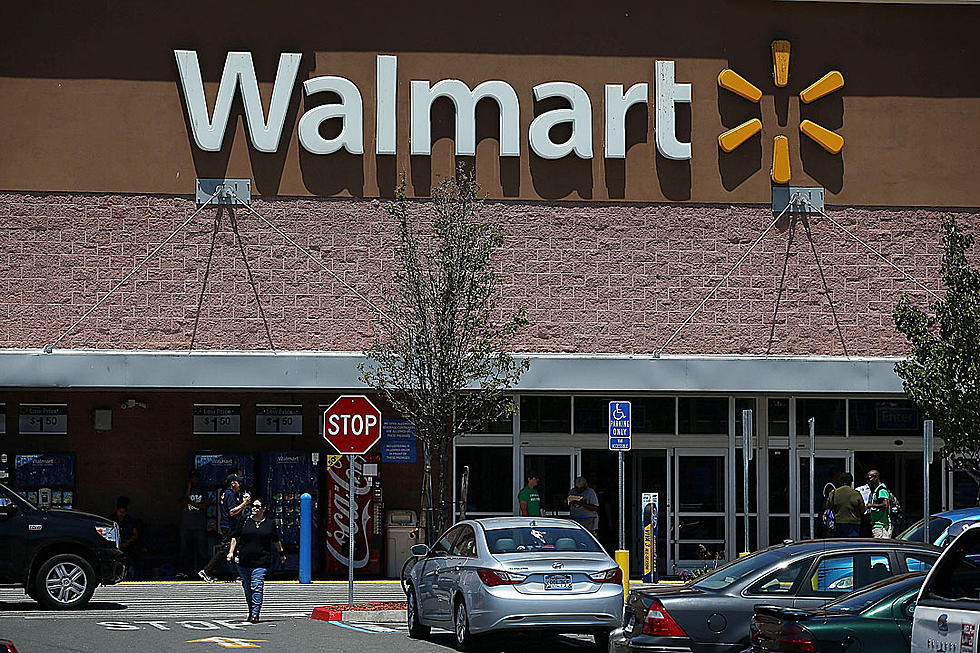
(368,524)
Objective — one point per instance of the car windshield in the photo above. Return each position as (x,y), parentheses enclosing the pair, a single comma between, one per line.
(540,538)
(8,496)
(728,575)
(936,527)
(870,596)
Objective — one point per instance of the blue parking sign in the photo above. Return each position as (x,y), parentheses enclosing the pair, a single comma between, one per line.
(620,426)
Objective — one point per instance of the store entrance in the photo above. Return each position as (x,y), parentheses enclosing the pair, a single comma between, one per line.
(902,474)
(827,468)
(556,469)
(699,531)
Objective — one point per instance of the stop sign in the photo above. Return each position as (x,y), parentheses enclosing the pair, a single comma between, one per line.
(352,424)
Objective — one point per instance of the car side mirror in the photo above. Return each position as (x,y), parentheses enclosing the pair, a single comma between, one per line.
(419,550)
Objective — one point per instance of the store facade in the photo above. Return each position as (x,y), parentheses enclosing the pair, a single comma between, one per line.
(639,162)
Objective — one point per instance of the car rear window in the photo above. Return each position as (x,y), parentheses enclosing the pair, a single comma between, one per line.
(540,538)
(936,527)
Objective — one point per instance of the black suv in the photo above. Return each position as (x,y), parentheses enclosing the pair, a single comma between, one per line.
(57,556)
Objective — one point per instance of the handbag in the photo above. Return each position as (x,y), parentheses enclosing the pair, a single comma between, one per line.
(829,522)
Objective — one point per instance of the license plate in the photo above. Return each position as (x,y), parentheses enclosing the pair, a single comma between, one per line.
(558,582)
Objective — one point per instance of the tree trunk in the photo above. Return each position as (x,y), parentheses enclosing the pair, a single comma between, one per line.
(444,502)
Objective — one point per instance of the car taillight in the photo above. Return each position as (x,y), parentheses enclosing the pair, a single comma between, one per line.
(659,622)
(614,575)
(494,577)
(794,638)
(6,646)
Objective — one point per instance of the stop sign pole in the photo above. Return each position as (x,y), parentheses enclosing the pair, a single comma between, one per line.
(352,425)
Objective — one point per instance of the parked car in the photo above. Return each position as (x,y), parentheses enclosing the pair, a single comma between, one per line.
(943,526)
(875,619)
(57,556)
(713,612)
(514,574)
(947,611)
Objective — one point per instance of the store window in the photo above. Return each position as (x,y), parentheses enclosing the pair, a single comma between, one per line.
(744,403)
(703,415)
(891,417)
(546,414)
(828,415)
(778,418)
(491,478)
(653,415)
(504,425)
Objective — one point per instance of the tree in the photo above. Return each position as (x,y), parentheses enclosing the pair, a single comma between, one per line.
(442,361)
(942,371)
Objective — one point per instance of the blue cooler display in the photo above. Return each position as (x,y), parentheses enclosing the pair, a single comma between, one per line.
(45,479)
(285,476)
(214,468)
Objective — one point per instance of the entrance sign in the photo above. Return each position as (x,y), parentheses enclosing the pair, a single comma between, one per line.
(651,509)
(620,427)
(352,424)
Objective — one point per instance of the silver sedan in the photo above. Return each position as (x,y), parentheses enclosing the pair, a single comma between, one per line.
(514,573)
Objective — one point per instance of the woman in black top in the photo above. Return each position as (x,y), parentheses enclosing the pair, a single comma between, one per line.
(252,541)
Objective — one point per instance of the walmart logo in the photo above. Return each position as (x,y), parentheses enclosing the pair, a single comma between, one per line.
(729,80)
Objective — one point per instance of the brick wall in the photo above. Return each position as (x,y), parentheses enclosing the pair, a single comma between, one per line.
(595,278)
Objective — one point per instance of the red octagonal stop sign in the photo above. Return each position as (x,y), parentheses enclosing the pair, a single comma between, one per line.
(352,424)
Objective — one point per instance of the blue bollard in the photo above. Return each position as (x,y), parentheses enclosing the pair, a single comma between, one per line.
(305,536)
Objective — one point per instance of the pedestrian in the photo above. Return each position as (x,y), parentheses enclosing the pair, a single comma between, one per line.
(129,534)
(529,498)
(251,549)
(583,505)
(847,505)
(880,505)
(193,525)
(233,502)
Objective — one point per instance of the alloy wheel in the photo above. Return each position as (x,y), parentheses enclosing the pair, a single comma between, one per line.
(66,582)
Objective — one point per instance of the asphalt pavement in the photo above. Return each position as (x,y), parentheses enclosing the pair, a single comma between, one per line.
(198,617)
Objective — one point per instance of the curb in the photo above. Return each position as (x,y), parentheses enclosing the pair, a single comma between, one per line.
(360,616)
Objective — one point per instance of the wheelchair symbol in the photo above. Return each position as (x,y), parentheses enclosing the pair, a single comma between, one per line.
(618,413)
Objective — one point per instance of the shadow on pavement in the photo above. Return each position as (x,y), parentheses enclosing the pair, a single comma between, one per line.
(31,606)
(519,643)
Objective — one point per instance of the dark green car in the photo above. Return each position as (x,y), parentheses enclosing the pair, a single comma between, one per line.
(876,619)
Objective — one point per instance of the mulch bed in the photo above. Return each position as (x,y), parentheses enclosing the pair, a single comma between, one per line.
(375,606)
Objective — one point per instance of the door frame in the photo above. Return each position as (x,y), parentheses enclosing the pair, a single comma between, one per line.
(673,543)
(797,532)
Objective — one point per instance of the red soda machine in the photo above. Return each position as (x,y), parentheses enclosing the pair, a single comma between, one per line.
(368,511)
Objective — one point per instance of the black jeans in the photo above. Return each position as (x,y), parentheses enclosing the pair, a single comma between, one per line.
(220,554)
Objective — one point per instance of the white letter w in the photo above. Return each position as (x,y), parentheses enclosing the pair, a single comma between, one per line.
(238,70)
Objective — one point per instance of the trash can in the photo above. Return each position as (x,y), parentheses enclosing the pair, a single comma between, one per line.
(399,539)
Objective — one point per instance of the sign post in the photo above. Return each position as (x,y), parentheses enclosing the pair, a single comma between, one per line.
(813,444)
(747,450)
(352,425)
(928,445)
(620,432)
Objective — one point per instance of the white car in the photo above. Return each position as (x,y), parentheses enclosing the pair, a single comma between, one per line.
(947,612)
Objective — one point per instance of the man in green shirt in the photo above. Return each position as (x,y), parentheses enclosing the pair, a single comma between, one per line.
(529,498)
(847,506)
(880,505)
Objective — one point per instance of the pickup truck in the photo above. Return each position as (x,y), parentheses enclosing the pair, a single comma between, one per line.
(58,556)
(947,611)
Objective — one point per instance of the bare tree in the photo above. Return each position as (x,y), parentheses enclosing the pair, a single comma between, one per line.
(445,366)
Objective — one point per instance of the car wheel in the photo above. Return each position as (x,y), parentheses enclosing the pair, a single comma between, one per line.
(64,582)
(461,628)
(416,629)
(601,639)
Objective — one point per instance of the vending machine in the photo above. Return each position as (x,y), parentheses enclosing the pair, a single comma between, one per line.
(214,469)
(285,476)
(46,479)
(368,516)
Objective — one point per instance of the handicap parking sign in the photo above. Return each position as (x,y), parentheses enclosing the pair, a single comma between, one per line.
(620,426)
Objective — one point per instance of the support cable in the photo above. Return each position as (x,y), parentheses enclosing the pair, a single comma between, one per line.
(718,285)
(50,347)
(872,250)
(310,256)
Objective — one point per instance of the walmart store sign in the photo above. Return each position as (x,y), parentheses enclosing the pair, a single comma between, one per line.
(265,132)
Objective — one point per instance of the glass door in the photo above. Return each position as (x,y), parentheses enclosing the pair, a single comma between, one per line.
(699,512)
(827,466)
(556,468)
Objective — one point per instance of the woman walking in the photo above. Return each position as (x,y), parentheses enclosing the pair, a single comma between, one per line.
(251,549)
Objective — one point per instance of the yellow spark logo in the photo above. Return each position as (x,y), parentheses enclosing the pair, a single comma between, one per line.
(730,80)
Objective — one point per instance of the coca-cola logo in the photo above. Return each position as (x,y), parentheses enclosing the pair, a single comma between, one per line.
(338,524)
